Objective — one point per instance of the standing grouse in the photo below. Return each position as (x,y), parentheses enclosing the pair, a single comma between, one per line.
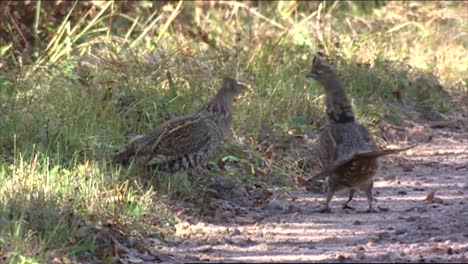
(187,141)
(346,149)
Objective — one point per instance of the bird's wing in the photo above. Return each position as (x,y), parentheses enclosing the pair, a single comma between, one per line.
(367,136)
(180,136)
(368,154)
(336,140)
(380,153)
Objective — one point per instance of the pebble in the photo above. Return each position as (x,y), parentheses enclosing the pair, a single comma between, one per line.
(450,251)
(370,244)
(341,258)
(359,248)
(235,232)
(332,239)
(401,231)
(276,204)
(360,255)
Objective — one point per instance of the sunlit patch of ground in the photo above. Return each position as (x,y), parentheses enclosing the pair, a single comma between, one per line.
(411,225)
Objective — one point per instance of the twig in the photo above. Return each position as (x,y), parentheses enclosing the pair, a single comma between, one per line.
(19,32)
(395,127)
(36,24)
(268,164)
(442,124)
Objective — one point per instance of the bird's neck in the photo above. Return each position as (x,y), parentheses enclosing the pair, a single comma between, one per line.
(220,107)
(339,109)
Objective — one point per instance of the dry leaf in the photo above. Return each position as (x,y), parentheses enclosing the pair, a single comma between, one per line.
(407,167)
(430,197)
(301,181)
(266,193)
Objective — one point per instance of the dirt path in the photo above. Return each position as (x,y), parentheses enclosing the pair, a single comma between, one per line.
(407,227)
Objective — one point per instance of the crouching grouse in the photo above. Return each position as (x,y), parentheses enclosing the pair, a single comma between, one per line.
(187,141)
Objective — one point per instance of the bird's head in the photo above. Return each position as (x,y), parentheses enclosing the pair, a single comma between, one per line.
(321,70)
(232,88)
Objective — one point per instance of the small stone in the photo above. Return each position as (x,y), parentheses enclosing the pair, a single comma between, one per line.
(360,255)
(407,167)
(357,222)
(370,244)
(450,251)
(401,231)
(421,259)
(278,205)
(383,209)
(341,258)
(435,239)
(382,235)
(402,193)
(332,239)
(236,232)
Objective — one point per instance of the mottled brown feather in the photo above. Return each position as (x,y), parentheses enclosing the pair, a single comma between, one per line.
(187,141)
(347,151)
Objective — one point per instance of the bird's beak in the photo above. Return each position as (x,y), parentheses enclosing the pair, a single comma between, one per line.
(242,91)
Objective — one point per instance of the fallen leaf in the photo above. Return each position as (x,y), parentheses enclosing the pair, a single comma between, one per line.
(407,167)
(430,197)
(266,193)
(301,181)
(331,239)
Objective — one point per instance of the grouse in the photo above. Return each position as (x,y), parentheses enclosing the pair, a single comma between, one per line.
(188,140)
(346,149)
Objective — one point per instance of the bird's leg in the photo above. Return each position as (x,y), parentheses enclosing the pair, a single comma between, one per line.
(330,193)
(345,205)
(370,197)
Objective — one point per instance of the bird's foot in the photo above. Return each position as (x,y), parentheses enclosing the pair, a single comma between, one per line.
(345,206)
(325,210)
(371,210)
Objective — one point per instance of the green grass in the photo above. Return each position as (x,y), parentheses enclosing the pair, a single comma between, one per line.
(98,77)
